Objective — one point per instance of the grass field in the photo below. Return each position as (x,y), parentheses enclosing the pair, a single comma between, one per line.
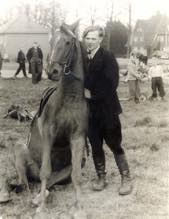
(145,129)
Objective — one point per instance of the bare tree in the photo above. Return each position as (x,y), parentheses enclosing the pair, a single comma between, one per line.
(92,10)
(50,15)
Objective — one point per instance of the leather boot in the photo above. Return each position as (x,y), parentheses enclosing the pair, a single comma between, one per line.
(126,185)
(100,183)
(4,193)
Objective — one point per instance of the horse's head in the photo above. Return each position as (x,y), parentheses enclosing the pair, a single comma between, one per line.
(64,52)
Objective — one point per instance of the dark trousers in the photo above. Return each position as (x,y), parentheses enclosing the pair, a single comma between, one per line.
(21,67)
(99,130)
(134,90)
(157,84)
(36,70)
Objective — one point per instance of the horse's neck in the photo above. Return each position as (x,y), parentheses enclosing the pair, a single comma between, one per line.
(73,89)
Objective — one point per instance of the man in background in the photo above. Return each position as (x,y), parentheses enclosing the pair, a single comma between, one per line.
(35,58)
(21,60)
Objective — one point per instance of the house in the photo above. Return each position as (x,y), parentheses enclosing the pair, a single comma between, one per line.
(21,33)
(150,35)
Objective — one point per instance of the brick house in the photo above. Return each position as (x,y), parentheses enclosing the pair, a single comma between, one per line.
(21,33)
(150,35)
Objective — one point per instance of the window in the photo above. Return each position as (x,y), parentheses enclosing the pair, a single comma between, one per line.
(139,29)
(141,39)
(161,39)
(135,49)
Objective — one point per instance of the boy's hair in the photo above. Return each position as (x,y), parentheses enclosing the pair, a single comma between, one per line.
(133,54)
(94,28)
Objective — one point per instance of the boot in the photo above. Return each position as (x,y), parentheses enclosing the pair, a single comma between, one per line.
(126,186)
(4,193)
(100,183)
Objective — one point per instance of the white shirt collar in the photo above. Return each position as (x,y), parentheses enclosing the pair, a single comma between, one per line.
(93,52)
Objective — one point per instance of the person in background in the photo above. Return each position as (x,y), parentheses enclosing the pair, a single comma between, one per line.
(156,76)
(35,58)
(101,77)
(133,78)
(21,60)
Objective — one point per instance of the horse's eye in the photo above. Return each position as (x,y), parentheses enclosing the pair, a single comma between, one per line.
(67,43)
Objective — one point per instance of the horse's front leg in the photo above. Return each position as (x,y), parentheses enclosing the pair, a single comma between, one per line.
(77,144)
(45,171)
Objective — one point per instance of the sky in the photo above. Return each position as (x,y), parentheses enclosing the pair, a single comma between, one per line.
(141,9)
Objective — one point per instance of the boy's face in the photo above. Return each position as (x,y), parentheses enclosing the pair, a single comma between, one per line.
(154,60)
(92,40)
(35,45)
(132,58)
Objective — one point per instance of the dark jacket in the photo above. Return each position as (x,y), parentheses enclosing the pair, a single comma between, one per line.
(29,54)
(21,57)
(101,78)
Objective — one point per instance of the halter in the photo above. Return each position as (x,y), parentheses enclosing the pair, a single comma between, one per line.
(67,66)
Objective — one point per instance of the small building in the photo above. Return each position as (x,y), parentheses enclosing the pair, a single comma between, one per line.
(150,35)
(21,33)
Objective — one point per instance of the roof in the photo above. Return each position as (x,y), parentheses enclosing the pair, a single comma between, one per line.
(151,27)
(23,24)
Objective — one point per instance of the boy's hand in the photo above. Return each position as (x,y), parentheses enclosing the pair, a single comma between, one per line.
(87,93)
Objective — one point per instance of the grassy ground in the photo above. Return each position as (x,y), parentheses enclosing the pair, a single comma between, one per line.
(145,140)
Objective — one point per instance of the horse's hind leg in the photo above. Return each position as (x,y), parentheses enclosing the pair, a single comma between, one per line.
(21,171)
(21,156)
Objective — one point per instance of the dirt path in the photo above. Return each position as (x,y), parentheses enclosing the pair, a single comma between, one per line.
(146,144)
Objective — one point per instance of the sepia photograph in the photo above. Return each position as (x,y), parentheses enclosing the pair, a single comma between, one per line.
(84,109)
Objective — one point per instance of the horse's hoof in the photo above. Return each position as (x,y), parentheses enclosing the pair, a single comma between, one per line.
(41,213)
(40,209)
(77,212)
(80,214)
(4,197)
(37,200)
(64,216)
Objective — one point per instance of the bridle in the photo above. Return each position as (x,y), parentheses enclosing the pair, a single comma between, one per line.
(67,71)
(67,66)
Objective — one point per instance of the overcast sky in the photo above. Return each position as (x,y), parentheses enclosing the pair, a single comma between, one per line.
(141,9)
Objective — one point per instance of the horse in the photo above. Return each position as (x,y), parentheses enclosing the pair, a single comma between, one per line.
(62,121)
(57,137)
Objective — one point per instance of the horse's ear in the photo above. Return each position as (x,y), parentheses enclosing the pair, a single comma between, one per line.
(63,27)
(74,27)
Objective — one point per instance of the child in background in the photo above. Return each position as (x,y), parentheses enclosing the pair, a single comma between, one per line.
(156,75)
(133,78)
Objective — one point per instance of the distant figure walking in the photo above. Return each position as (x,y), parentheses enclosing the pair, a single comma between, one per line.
(35,58)
(1,61)
(21,60)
